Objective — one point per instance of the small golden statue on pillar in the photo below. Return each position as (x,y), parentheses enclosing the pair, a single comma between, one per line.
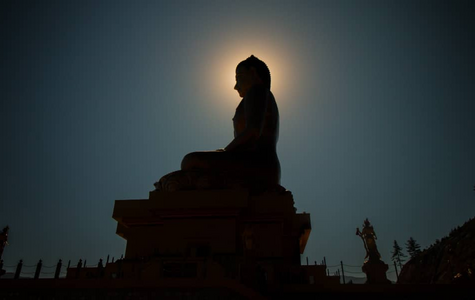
(374,268)
(369,240)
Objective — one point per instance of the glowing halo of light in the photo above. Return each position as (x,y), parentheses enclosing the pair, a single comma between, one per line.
(222,61)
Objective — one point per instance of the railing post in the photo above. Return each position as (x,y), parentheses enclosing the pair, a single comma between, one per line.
(119,268)
(78,268)
(38,269)
(100,268)
(397,274)
(343,272)
(307,260)
(18,269)
(58,269)
(324,262)
(1,268)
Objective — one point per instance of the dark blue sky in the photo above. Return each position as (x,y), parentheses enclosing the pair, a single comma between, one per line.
(99,99)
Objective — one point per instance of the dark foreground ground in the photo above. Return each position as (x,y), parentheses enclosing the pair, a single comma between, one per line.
(218,289)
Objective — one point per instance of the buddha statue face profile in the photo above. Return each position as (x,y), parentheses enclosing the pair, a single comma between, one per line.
(245,79)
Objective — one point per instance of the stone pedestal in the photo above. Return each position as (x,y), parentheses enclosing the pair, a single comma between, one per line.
(229,223)
(375,271)
(212,234)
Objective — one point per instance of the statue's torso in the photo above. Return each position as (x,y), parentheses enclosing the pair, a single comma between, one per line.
(267,141)
(252,164)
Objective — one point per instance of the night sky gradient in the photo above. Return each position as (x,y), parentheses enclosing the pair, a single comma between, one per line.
(99,99)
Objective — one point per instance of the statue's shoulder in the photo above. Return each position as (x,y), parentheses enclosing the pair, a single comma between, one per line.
(257,91)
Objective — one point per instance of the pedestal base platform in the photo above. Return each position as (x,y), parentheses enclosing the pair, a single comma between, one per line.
(375,271)
(254,239)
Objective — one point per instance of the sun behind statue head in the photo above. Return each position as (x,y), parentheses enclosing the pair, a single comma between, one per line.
(250,72)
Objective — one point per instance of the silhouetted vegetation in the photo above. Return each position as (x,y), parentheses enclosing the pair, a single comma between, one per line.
(398,255)
(413,248)
(450,259)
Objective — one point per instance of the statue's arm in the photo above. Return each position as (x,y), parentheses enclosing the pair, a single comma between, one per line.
(255,105)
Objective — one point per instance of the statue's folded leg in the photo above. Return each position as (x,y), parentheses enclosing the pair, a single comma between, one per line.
(215,160)
(215,169)
(254,166)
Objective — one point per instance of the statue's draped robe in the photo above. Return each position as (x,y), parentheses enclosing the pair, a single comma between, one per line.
(253,163)
(370,240)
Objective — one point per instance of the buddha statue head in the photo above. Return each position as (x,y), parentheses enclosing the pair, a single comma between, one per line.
(250,72)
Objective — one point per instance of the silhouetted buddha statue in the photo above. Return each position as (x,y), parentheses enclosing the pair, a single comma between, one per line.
(250,159)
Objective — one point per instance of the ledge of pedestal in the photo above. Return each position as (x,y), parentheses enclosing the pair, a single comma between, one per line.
(170,222)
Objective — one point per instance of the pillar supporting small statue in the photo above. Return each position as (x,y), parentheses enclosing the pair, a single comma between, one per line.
(374,268)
